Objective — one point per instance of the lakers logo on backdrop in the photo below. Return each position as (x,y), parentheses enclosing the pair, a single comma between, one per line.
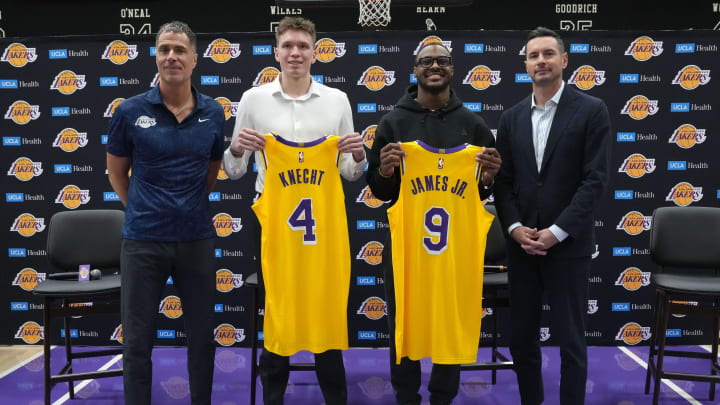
(639,107)
(633,278)
(119,52)
(230,108)
(432,39)
(21,112)
(375,78)
(155,80)
(644,48)
(373,308)
(481,77)
(69,140)
(637,165)
(326,50)
(632,333)
(228,335)
(117,335)
(366,197)
(586,77)
(25,169)
(171,307)
(691,76)
(634,222)
(686,136)
(267,75)
(487,312)
(688,303)
(684,194)
(30,332)
(222,174)
(27,225)
(72,196)
(28,279)
(221,50)
(68,82)
(371,253)
(225,225)
(110,110)
(368,135)
(18,55)
(226,280)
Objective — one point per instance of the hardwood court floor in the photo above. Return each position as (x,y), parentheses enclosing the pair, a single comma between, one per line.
(616,376)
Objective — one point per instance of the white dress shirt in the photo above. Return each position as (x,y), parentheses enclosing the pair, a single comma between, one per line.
(542,118)
(319,112)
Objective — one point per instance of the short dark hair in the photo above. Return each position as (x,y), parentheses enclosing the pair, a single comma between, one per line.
(546,32)
(181,27)
(296,23)
(440,44)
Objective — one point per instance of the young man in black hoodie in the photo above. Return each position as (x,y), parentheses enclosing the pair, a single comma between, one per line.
(431,112)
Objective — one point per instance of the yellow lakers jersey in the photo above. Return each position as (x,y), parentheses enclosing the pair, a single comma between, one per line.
(439,229)
(305,246)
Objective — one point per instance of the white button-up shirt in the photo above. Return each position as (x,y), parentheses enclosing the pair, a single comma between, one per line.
(321,111)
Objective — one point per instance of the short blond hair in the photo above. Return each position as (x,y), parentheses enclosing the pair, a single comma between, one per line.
(295,23)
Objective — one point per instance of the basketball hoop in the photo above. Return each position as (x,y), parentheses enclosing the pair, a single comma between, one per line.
(374,13)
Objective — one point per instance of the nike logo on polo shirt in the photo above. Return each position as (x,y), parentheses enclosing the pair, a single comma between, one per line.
(203,120)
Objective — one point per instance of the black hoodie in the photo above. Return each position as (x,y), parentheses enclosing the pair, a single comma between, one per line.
(446,127)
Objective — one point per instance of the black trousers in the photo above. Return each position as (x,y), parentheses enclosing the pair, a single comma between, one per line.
(405,377)
(566,282)
(145,267)
(275,369)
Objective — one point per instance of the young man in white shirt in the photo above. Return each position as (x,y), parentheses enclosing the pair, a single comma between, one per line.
(299,110)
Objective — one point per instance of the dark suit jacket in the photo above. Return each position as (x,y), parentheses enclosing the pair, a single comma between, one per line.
(572,177)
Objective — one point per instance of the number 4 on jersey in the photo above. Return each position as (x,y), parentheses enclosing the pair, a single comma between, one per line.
(302,220)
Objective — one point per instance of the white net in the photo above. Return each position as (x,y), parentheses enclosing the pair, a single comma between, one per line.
(374,13)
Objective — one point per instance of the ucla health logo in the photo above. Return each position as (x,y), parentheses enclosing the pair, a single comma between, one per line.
(68,82)
(375,78)
(171,307)
(481,77)
(25,169)
(267,75)
(230,108)
(691,76)
(18,55)
(639,107)
(221,50)
(27,225)
(72,196)
(632,333)
(636,165)
(69,140)
(21,112)
(119,52)
(432,39)
(644,48)
(686,136)
(684,194)
(326,50)
(633,278)
(110,110)
(225,225)
(226,280)
(634,222)
(371,253)
(586,77)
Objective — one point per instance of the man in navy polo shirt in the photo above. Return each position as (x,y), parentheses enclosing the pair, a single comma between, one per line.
(172,138)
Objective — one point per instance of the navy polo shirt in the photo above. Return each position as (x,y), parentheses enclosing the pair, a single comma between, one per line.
(168,196)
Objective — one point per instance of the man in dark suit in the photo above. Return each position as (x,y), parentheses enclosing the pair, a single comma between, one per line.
(555,146)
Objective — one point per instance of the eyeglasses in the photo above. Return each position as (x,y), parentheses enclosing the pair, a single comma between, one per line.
(428,61)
